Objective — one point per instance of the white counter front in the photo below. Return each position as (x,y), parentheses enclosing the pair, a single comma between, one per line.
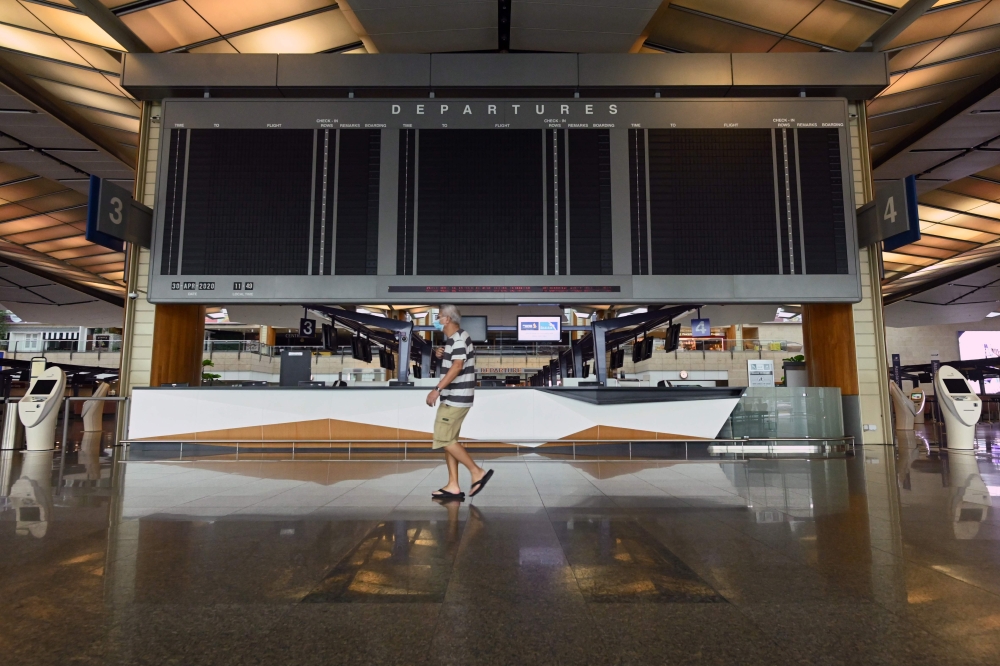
(522,415)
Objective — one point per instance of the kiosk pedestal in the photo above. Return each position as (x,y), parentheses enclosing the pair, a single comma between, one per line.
(960,406)
(39,409)
(905,407)
(93,410)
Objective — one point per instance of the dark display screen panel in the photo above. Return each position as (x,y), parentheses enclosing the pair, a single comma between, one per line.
(672,200)
(957,386)
(43,387)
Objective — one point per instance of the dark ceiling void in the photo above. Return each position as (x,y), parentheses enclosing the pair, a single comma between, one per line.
(503,25)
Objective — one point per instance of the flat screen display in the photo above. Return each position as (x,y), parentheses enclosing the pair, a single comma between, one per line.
(43,387)
(957,386)
(916,396)
(539,329)
(475,326)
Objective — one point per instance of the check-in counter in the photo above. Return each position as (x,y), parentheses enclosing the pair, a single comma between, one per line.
(525,416)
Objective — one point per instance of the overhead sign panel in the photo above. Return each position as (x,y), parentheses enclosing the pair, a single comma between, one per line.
(709,201)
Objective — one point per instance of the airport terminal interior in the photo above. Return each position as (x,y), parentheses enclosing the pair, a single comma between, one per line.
(513,332)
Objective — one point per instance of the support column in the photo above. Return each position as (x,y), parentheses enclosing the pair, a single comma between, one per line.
(178,344)
(831,359)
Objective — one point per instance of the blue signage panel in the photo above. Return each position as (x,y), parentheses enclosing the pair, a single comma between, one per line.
(912,233)
(93,210)
(700,328)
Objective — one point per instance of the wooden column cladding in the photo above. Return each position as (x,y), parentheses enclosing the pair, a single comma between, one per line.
(828,339)
(178,344)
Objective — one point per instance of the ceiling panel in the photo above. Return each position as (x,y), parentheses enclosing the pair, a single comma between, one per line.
(429,26)
(72,24)
(597,26)
(92,98)
(774,15)
(964,44)
(699,34)
(169,26)
(221,46)
(936,24)
(228,16)
(47,46)
(23,224)
(911,56)
(838,24)
(46,69)
(973,187)
(313,34)
(944,243)
(48,233)
(27,189)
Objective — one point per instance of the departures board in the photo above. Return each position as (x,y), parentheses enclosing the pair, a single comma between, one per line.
(518,201)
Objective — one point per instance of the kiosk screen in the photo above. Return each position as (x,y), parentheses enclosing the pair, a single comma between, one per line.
(953,385)
(43,387)
(916,396)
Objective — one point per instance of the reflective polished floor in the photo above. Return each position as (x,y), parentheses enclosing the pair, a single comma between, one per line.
(890,556)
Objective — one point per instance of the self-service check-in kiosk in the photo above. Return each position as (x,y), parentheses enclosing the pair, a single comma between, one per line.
(39,409)
(960,406)
(905,406)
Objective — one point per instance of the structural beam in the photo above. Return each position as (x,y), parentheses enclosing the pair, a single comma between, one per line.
(112,25)
(897,23)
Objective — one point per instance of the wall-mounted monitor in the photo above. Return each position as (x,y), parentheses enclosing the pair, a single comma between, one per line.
(539,329)
(475,326)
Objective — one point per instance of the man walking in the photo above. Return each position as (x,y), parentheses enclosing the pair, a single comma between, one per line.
(456,390)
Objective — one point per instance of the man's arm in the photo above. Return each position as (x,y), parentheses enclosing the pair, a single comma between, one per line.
(456,367)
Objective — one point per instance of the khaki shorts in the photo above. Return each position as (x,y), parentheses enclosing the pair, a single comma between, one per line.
(448,424)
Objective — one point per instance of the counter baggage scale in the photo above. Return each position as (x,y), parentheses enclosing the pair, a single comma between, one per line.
(39,409)
(960,406)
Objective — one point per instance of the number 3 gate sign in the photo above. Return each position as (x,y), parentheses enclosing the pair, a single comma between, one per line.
(113,216)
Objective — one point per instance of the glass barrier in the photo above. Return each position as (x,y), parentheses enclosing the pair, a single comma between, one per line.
(787,412)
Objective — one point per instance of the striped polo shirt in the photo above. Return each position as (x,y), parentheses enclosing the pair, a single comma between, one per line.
(459,392)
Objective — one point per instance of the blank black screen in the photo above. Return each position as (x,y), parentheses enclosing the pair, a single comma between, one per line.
(248,202)
(956,386)
(822,201)
(480,202)
(712,202)
(43,387)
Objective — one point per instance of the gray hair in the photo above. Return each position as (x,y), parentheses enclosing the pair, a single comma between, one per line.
(451,312)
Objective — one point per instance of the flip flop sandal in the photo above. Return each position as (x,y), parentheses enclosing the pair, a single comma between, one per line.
(473,491)
(441,493)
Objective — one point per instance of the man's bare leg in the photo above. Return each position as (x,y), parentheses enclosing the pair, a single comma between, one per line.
(452,486)
(458,453)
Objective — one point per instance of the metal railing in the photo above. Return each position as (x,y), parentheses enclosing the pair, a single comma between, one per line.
(742,447)
(68,346)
